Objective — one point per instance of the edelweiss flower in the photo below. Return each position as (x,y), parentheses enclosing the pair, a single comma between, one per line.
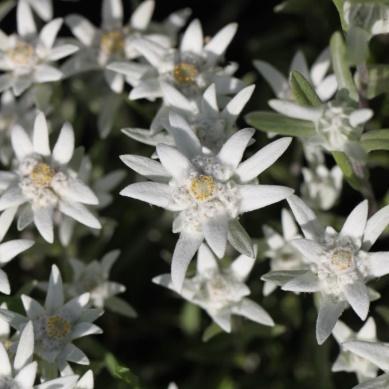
(22,373)
(10,249)
(322,187)
(191,69)
(94,278)
(371,17)
(340,264)
(338,124)
(324,85)
(376,353)
(25,58)
(282,254)
(44,183)
(209,192)
(220,292)
(212,126)
(113,42)
(56,324)
(348,361)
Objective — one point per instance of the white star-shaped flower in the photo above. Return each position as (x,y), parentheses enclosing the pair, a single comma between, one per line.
(22,372)
(348,361)
(26,57)
(378,354)
(220,292)
(282,254)
(208,192)
(339,263)
(57,324)
(325,85)
(43,184)
(190,69)
(338,124)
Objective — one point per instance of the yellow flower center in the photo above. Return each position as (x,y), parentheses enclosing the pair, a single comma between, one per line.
(185,73)
(22,54)
(202,188)
(57,327)
(7,344)
(112,42)
(342,259)
(42,175)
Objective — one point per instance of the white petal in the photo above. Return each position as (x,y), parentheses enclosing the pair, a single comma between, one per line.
(12,197)
(326,89)
(21,142)
(305,218)
(5,286)
(141,17)
(49,32)
(368,331)
(5,366)
(329,313)
(185,139)
(223,320)
(274,78)
(174,98)
(219,43)
(44,8)
(5,82)
(174,161)
(76,308)
(46,73)
(259,196)
(40,137)
(76,190)
(232,151)
(361,116)
(12,248)
(209,103)
(310,249)
(320,67)
(299,63)
(262,159)
(377,353)
(146,167)
(357,296)
(341,332)
(355,223)
(112,13)
(86,381)
(296,111)
(206,261)
(67,382)
(185,249)
(26,376)
(289,228)
(82,29)
(192,40)
(307,283)
(375,226)
(64,147)
(150,192)
(239,239)
(215,233)
(6,219)
(25,349)
(80,213)
(147,89)
(43,219)
(235,106)
(54,297)
(25,20)
(115,81)
(252,311)
(61,52)
(74,354)
(378,263)
(241,267)
(84,329)
(32,307)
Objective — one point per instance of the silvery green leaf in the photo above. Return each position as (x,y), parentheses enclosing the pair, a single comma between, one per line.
(302,90)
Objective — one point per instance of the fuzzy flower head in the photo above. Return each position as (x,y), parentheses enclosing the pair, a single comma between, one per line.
(325,85)
(21,374)
(220,292)
(94,279)
(322,187)
(348,361)
(43,183)
(339,263)
(26,58)
(190,69)
(338,124)
(283,255)
(208,192)
(114,41)
(57,324)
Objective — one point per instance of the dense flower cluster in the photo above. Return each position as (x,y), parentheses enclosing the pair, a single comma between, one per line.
(203,170)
